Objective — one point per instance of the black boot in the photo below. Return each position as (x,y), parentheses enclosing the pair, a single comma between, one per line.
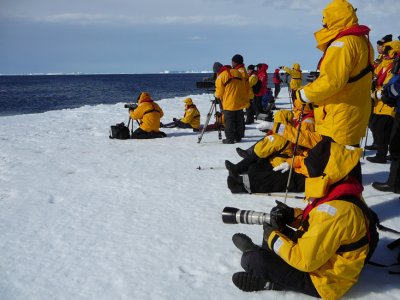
(242,153)
(248,282)
(243,242)
(393,182)
(378,159)
(232,168)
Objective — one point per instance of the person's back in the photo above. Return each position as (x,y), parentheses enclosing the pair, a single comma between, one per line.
(230,88)
(192,114)
(341,94)
(148,112)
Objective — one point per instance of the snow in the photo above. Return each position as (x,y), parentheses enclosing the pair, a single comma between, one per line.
(86,217)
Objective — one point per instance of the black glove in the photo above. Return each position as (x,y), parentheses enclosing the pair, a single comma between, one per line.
(281,215)
(268,229)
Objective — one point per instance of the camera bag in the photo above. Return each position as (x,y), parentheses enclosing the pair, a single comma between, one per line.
(119,131)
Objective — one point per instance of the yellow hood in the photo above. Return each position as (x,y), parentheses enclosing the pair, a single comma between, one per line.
(339,15)
(144,96)
(328,163)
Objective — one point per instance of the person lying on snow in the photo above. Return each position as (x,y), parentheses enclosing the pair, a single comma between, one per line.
(326,254)
(191,118)
(149,114)
(264,165)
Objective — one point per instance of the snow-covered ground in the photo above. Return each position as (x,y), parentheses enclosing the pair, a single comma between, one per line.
(86,217)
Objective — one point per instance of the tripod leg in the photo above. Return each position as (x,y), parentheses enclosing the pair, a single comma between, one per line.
(207,121)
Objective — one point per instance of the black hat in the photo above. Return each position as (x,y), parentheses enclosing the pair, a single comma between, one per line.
(387,38)
(217,66)
(251,67)
(237,58)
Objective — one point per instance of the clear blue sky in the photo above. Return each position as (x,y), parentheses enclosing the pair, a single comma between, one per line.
(130,36)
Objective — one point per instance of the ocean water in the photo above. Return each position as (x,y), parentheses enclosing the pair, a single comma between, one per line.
(40,93)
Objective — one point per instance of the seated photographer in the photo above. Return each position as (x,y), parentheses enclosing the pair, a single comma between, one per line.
(191,118)
(266,163)
(325,255)
(149,114)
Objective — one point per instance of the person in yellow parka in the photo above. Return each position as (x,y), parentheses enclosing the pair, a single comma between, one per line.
(341,93)
(383,115)
(253,81)
(148,113)
(295,78)
(259,162)
(231,90)
(191,118)
(325,256)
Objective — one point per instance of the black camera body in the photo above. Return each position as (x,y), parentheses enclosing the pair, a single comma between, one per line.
(131,105)
(312,76)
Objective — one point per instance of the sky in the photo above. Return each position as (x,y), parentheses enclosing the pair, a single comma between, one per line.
(84,217)
(152,36)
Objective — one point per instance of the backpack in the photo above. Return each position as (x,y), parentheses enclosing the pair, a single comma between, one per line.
(267,98)
(257,87)
(119,131)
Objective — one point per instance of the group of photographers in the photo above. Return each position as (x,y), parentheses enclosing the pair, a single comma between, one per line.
(321,250)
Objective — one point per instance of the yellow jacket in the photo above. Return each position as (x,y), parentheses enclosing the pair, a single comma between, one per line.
(330,225)
(295,76)
(245,77)
(270,146)
(148,112)
(231,90)
(253,79)
(192,116)
(274,147)
(341,109)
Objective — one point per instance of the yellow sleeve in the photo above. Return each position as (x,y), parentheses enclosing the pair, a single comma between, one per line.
(317,245)
(219,86)
(138,113)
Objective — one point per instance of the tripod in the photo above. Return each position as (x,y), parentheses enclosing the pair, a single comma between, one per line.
(131,123)
(218,118)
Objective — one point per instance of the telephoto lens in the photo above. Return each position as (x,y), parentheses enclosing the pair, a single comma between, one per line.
(232,215)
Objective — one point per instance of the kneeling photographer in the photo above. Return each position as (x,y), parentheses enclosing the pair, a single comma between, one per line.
(336,232)
(191,118)
(149,114)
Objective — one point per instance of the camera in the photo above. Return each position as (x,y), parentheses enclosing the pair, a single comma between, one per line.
(131,105)
(206,83)
(232,215)
(312,76)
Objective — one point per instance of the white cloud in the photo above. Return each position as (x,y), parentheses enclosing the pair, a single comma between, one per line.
(85,19)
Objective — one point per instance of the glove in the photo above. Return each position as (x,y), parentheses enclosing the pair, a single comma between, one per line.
(283,167)
(268,229)
(281,215)
(265,125)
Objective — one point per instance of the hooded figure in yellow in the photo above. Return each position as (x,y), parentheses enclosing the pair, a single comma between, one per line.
(257,167)
(326,254)
(149,114)
(341,94)
(295,78)
(191,118)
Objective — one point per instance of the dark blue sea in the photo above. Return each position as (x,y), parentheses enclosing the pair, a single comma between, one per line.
(39,93)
